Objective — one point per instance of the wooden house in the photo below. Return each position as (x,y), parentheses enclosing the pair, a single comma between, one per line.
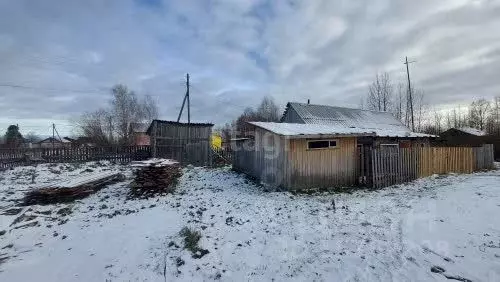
(322,149)
(390,131)
(187,143)
(467,136)
(140,136)
(464,136)
(53,143)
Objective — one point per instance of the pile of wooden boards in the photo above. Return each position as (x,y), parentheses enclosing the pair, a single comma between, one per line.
(155,178)
(67,191)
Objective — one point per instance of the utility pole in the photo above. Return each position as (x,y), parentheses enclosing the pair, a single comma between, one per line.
(410,99)
(110,130)
(53,134)
(186,97)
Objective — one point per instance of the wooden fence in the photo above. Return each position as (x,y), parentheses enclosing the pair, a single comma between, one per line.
(393,166)
(18,157)
(221,156)
(399,165)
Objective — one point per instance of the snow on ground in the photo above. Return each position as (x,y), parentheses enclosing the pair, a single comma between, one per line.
(397,233)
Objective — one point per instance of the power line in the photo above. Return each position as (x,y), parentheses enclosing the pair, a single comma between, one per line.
(50,89)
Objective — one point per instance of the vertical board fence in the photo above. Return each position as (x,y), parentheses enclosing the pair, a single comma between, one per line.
(484,157)
(18,157)
(441,160)
(392,166)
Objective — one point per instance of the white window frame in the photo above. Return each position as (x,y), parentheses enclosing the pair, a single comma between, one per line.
(323,140)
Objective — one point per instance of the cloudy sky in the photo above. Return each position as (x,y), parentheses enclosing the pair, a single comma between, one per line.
(58,58)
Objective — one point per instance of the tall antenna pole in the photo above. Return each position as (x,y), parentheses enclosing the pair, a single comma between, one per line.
(187,95)
(53,134)
(410,94)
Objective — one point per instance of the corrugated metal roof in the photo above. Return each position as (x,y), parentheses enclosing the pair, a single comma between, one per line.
(346,117)
(304,130)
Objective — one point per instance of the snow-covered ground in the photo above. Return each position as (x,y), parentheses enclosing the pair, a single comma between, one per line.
(394,234)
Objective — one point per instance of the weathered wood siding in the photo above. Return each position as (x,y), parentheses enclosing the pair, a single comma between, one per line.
(270,155)
(321,168)
(262,158)
(484,157)
(393,165)
(186,143)
(441,160)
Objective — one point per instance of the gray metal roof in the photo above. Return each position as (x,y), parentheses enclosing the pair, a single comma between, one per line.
(345,117)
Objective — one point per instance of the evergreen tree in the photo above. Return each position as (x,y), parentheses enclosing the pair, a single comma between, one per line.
(13,137)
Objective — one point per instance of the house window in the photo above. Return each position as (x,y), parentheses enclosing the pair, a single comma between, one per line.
(321,144)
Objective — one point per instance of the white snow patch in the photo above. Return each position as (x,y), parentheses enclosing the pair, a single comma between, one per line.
(394,234)
(298,129)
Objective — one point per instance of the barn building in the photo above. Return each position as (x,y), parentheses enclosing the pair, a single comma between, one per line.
(318,146)
(187,143)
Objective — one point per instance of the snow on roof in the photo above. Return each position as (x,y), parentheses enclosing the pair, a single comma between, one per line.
(472,131)
(346,117)
(139,127)
(305,130)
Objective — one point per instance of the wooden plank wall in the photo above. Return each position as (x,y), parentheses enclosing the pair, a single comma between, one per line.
(323,168)
(18,157)
(186,143)
(484,157)
(269,158)
(243,157)
(393,165)
(442,160)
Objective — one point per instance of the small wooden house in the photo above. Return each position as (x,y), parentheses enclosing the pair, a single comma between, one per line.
(139,134)
(464,136)
(390,131)
(322,149)
(53,143)
(187,143)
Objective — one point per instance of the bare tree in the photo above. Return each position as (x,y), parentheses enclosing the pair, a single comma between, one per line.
(420,108)
(113,124)
(32,137)
(438,118)
(93,125)
(494,118)
(380,93)
(266,111)
(398,110)
(149,108)
(478,113)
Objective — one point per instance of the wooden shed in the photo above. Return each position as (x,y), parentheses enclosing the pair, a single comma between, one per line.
(464,136)
(187,143)
(302,156)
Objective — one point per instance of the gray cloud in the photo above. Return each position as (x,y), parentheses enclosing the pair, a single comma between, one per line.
(71,52)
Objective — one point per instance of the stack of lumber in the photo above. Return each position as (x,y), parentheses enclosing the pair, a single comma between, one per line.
(157,177)
(67,191)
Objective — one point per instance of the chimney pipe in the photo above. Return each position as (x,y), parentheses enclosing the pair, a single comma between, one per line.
(308,101)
